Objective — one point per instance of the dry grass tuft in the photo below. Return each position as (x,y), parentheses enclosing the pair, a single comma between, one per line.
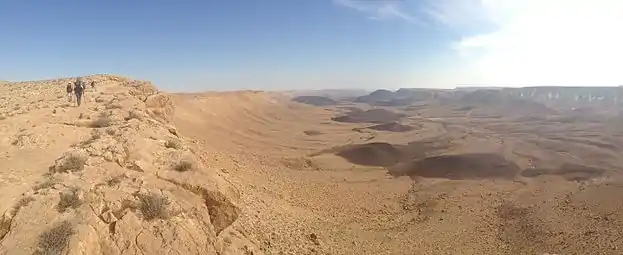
(102,121)
(115,180)
(44,185)
(173,143)
(94,137)
(69,199)
(134,114)
(185,164)
(113,106)
(55,240)
(71,162)
(24,201)
(154,206)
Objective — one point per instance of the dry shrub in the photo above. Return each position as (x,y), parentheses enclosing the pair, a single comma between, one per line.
(55,240)
(154,206)
(111,131)
(113,106)
(24,201)
(95,135)
(44,185)
(71,162)
(69,199)
(312,132)
(184,164)
(115,180)
(173,143)
(102,121)
(134,114)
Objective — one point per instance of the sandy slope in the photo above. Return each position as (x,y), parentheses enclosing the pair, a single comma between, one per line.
(135,171)
(302,199)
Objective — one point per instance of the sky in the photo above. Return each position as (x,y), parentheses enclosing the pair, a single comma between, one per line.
(310,44)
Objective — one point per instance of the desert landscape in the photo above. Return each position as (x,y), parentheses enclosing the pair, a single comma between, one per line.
(133,170)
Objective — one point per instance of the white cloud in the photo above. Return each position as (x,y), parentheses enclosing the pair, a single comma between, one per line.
(554,42)
(378,10)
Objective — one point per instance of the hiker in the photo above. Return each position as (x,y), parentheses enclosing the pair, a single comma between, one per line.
(93,85)
(70,91)
(79,90)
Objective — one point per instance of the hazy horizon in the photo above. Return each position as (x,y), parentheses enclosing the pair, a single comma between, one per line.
(289,45)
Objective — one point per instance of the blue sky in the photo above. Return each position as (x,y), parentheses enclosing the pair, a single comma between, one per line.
(281,44)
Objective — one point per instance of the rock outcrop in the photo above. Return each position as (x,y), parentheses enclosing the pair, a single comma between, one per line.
(123,182)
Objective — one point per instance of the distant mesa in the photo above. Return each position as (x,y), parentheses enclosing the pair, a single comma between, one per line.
(315,100)
(401,97)
(392,127)
(499,100)
(377,95)
(337,94)
(369,116)
(484,96)
(416,94)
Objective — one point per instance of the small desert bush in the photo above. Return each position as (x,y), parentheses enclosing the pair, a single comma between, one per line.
(173,143)
(71,162)
(44,185)
(312,132)
(113,106)
(94,137)
(56,239)
(69,199)
(134,114)
(184,164)
(154,206)
(115,180)
(102,121)
(24,201)
(111,131)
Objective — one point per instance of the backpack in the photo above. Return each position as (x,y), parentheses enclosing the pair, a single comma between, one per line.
(78,87)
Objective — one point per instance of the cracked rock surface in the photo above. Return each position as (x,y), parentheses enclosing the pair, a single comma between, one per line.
(111,176)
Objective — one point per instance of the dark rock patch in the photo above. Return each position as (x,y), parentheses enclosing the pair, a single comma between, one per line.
(460,167)
(369,116)
(392,127)
(371,154)
(315,100)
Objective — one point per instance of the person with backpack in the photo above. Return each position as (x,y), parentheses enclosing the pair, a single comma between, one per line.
(70,92)
(79,90)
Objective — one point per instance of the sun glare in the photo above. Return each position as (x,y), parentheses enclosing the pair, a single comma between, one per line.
(550,43)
